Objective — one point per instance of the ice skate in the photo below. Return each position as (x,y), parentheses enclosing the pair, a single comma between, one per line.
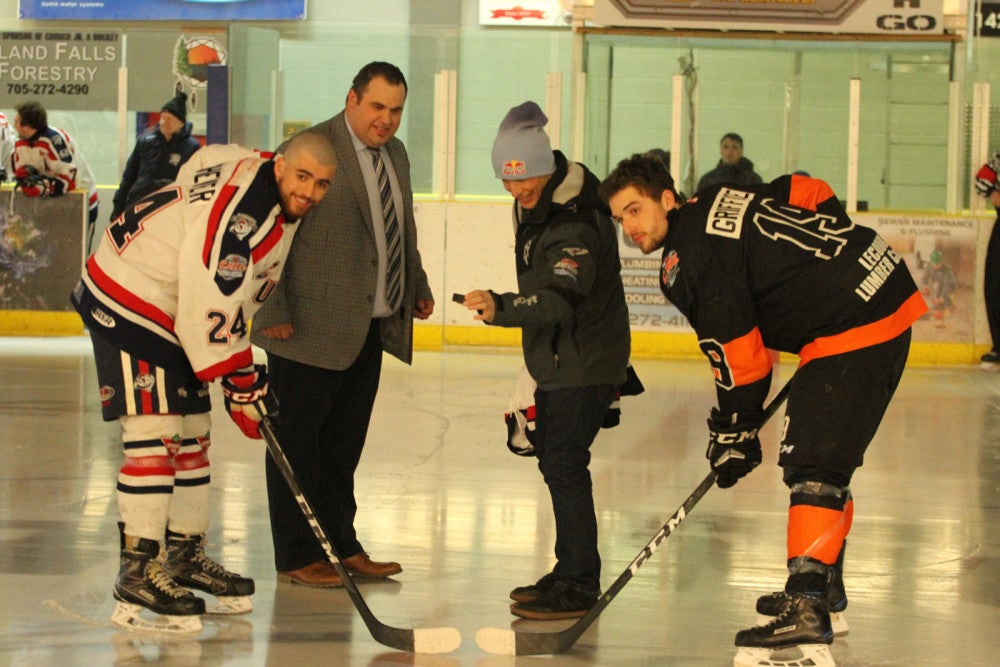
(770,605)
(190,566)
(798,636)
(143,585)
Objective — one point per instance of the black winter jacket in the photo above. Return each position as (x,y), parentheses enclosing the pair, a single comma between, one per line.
(570,303)
(737,175)
(154,163)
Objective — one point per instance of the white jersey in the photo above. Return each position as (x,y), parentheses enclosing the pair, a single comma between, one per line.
(177,277)
(52,154)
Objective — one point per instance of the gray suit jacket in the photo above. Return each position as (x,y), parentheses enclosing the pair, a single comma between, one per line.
(327,289)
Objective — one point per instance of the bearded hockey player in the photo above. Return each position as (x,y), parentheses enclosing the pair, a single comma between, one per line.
(782,266)
(167,298)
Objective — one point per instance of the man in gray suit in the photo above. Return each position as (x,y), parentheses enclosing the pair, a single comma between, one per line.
(351,288)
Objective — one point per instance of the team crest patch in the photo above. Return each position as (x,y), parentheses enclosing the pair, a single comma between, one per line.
(670,268)
(107,393)
(514,168)
(232,267)
(242,225)
(566,267)
(144,382)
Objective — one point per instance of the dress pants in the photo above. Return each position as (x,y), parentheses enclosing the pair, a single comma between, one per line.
(566,423)
(991,283)
(323,422)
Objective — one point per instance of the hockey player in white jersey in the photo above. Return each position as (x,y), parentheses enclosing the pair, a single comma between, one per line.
(167,298)
(47,163)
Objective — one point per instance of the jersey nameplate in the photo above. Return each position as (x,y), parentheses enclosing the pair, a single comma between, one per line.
(725,218)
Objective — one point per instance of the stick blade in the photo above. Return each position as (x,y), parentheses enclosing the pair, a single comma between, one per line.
(498,641)
(436,640)
(512,642)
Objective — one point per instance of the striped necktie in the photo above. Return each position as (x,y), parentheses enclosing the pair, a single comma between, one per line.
(392,245)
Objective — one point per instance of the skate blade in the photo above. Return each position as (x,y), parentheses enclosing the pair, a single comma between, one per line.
(227,605)
(802,655)
(838,620)
(130,616)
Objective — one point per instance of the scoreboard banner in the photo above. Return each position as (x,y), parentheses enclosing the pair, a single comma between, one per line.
(888,17)
(163,10)
(988,19)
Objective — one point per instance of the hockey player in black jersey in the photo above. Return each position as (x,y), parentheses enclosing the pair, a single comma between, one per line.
(780,265)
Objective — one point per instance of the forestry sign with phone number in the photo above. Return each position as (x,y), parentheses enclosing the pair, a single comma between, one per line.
(62,70)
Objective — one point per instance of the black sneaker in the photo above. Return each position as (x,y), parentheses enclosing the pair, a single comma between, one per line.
(804,620)
(532,592)
(560,601)
(990,361)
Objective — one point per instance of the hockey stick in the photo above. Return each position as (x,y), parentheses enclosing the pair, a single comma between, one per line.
(419,640)
(513,642)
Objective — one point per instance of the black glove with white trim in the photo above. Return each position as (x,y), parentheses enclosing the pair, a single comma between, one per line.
(733,447)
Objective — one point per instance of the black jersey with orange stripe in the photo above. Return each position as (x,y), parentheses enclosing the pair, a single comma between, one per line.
(782,266)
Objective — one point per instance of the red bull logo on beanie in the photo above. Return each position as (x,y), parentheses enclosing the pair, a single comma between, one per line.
(514,168)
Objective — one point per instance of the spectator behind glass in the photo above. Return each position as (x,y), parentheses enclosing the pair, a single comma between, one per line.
(158,155)
(733,169)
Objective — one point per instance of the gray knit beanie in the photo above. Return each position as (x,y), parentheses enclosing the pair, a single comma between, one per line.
(522,148)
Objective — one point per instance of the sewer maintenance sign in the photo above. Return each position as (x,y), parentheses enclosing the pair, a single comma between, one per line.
(73,71)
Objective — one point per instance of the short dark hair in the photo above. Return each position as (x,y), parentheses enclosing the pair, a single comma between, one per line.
(33,115)
(387,71)
(645,173)
(733,136)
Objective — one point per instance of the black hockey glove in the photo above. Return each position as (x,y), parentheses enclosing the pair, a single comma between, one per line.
(733,447)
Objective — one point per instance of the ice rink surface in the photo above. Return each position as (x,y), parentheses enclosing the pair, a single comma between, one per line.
(439,492)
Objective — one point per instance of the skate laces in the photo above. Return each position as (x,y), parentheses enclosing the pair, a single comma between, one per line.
(163,581)
(787,612)
(209,565)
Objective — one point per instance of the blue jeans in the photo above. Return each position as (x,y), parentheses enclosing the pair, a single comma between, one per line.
(566,422)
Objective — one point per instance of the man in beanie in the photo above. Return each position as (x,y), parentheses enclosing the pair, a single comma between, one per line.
(570,306)
(47,163)
(158,155)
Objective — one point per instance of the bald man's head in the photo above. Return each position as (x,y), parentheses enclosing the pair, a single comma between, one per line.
(304,172)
